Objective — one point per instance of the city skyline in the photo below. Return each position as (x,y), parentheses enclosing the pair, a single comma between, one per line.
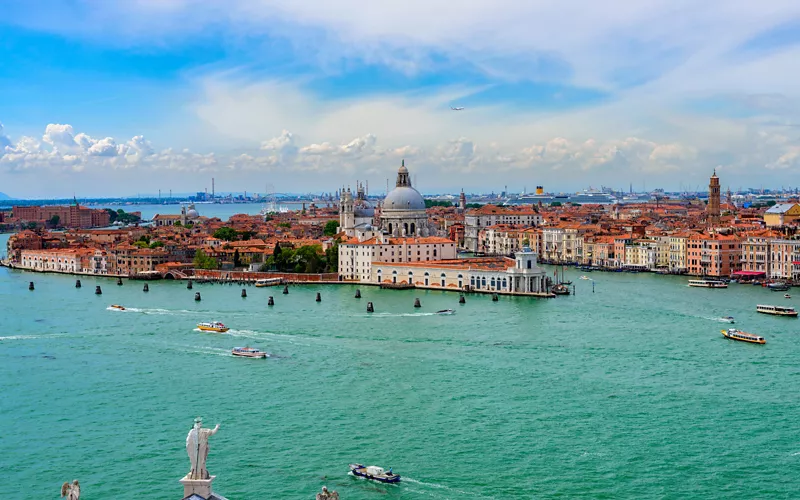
(311,96)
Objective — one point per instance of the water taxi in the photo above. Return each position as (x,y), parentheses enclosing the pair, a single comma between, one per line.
(734,334)
(214,326)
(777,310)
(708,283)
(374,473)
(117,306)
(248,352)
(446,312)
(267,282)
(778,287)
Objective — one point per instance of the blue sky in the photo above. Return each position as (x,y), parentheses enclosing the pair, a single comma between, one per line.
(114,98)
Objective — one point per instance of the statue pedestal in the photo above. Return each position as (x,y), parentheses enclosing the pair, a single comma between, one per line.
(200,487)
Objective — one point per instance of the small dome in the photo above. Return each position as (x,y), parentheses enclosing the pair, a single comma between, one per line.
(404,198)
(192,213)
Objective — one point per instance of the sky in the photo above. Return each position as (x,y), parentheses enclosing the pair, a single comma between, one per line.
(107,98)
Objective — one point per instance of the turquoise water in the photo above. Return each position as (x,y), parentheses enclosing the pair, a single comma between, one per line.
(629,392)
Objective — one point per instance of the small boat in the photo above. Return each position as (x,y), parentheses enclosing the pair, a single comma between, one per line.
(248,352)
(729,319)
(445,312)
(734,334)
(776,310)
(566,282)
(117,306)
(585,278)
(560,290)
(267,282)
(374,473)
(787,296)
(778,287)
(214,326)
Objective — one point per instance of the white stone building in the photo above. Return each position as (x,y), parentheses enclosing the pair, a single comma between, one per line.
(356,256)
(489,215)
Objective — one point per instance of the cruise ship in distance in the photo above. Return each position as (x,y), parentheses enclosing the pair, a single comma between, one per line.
(591,196)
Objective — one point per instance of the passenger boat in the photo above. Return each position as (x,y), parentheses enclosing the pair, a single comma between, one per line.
(374,473)
(778,287)
(734,334)
(117,306)
(267,282)
(708,283)
(777,310)
(560,290)
(214,326)
(248,352)
(446,311)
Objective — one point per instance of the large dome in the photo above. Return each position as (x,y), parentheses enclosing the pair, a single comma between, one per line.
(404,198)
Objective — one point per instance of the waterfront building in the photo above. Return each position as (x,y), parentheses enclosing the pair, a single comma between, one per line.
(563,243)
(490,215)
(714,255)
(784,258)
(641,255)
(712,209)
(755,257)
(520,275)
(129,260)
(62,260)
(782,214)
(502,239)
(72,216)
(676,260)
(187,215)
(356,257)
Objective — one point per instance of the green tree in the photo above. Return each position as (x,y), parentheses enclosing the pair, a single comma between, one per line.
(330,227)
(555,204)
(177,223)
(285,224)
(473,205)
(225,233)
(332,259)
(140,244)
(203,261)
(145,238)
(54,221)
(237,260)
(112,215)
(30,225)
(437,203)
(156,244)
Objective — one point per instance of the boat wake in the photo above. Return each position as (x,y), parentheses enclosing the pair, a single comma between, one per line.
(718,319)
(252,334)
(465,494)
(394,315)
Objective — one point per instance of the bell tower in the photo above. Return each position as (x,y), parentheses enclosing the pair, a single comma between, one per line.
(712,209)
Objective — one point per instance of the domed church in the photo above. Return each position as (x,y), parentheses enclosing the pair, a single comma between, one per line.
(403,209)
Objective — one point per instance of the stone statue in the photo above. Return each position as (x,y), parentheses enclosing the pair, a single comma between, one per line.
(327,495)
(71,491)
(197,449)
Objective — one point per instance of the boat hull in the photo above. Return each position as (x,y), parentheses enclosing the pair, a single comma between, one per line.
(259,355)
(213,330)
(360,471)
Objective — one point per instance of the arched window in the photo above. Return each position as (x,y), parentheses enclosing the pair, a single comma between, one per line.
(390,228)
(394,276)
(460,281)
(405,227)
(505,283)
(410,277)
(413,228)
(427,280)
(472,280)
(444,278)
(483,281)
(493,283)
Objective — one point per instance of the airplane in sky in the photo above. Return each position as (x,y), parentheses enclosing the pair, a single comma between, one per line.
(456,109)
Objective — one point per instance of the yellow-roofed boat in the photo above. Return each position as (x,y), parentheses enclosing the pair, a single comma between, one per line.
(214,326)
(734,334)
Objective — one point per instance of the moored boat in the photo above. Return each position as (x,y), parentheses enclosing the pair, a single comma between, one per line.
(117,307)
(213,326)
(374,473)
(267,282)
(708,283)
(776,310)
(560,290)
(734,334)
(248,352)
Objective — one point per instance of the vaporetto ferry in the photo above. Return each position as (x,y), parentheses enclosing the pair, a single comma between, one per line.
(777,310)
(708,283)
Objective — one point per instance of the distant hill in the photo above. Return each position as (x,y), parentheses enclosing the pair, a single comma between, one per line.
(4,196)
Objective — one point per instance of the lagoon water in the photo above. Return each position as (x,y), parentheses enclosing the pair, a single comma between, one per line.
(629,392)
